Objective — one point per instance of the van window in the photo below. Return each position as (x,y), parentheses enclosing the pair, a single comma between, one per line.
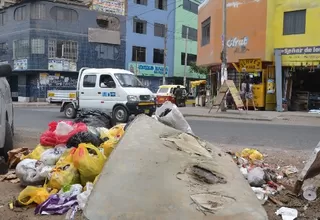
(163,90)
(106,81)
(128,80)
(89,81)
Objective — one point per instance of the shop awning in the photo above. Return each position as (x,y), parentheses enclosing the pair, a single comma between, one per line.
(197,83)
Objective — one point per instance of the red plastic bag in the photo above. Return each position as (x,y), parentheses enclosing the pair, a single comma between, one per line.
(48,138)
(78,127)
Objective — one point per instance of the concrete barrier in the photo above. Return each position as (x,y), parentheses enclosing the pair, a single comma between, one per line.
(157,172)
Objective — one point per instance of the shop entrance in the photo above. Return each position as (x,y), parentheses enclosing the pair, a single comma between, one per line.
(305,89)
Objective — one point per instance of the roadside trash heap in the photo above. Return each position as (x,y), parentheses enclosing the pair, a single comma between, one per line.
(265,179)
(60,172)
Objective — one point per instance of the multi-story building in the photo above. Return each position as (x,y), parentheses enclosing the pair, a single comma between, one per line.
(48,42)
(185,41)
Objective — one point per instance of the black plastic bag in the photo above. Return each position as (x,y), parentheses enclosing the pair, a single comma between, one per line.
(95,118)
(83,137)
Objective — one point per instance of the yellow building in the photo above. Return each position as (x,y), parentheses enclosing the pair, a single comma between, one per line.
(293,27)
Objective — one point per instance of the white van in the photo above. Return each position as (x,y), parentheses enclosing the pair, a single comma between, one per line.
(6,112)
(116,91)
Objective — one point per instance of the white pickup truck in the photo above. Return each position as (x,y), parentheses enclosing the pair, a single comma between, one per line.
(6,112)
(116,91)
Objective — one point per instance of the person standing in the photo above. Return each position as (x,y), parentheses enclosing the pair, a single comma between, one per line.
(178,95)
(246,90)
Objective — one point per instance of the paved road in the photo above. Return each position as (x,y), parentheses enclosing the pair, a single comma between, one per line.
(229,132)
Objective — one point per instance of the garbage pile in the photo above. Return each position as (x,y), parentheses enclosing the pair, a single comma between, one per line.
(59,174)
(267,180)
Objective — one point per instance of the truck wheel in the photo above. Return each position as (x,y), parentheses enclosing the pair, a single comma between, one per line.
(120,114)
(70,111)
(8,142)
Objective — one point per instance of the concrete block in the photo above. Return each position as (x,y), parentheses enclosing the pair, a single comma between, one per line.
(157,172)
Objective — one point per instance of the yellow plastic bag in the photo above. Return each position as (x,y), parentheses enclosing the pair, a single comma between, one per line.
(32,194)
(117,131)
(108,146)
(251,154)
(36,153)
(89,161)
(66,157)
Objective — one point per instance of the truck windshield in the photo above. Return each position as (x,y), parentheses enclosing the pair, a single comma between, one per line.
(128,80)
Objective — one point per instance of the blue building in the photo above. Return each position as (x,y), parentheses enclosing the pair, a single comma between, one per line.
(48,42)
(146,27)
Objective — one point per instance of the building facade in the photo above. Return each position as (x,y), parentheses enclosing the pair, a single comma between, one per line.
(186,23)
(284,25)
(146,29)
(48,42)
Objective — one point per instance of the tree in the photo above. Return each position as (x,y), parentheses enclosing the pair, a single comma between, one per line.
(198,69)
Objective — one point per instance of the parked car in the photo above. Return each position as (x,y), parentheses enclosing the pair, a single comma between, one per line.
(6,112)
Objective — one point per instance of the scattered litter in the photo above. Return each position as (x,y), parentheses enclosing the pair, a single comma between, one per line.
(314,111)
(251,154)
(310,192)
(287,213)
(256,177)
(288,170)
(260,193)
(10,177)
(14,156)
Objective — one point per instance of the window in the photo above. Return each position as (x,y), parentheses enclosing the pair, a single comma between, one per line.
(20,13)
(141,2)
(106,51)
(128,80)
(158,56)
(63,14)
(190,6)
(63,49)
(161,4)
(2,18)
(159,30)
(20,49)
(89,81)
(138,54)
(205,29)
(294,22)
(191,58)
(106,81)
(37,46)
(192,33)
(139,26)
(3,49)
(38,11)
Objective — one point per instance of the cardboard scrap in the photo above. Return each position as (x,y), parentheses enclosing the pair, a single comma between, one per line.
(10,177)
(15,155)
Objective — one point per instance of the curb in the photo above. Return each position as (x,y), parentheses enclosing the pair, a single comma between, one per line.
(227,117)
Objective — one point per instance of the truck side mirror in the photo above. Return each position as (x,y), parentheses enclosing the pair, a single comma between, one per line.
(5,70)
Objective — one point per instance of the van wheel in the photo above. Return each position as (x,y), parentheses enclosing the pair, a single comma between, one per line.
(8,142)
(70,111)
(120,114)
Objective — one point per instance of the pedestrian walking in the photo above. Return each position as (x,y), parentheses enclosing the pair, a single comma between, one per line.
(246,90)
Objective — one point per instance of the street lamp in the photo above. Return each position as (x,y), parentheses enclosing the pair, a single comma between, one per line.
(165,46)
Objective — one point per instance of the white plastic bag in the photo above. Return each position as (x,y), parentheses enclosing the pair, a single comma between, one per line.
(287,213)
(63,128)
(52,155)
(174,118)
(74,190)
(82,198)
(256,177)
(32,172)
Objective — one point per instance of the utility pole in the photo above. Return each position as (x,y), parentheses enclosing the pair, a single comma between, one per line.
(186,59)
(165,55)
(224,72)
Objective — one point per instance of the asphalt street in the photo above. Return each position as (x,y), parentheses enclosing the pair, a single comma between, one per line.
(228,132)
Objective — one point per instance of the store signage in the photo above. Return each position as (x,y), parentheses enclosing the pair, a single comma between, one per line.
(248,65)
(300,50)
(20,64)
(62,65)
(237,42)
(109,6)
(146,69)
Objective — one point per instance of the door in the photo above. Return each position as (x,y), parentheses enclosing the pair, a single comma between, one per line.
(87,92)
(107,92)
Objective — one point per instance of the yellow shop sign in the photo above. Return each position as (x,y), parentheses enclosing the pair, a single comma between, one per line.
(297,56)
(248,65)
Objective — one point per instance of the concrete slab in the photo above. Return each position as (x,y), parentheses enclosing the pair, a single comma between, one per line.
(157,172)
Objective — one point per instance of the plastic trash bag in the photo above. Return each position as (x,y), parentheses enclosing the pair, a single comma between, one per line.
(36,153)
(82,198)
(63,128)
(117,131)
(89,161)
(94,118)
(173,117)
(70,190)
(103,132)
(32,172)
(108,146)
(251,154)
(56,205)
(48,138)
(84,137)
(51,156)
(32,194)
(256,177)
(66,157)
(62,175)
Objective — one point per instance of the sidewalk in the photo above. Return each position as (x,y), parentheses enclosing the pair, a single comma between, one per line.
(242,115)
